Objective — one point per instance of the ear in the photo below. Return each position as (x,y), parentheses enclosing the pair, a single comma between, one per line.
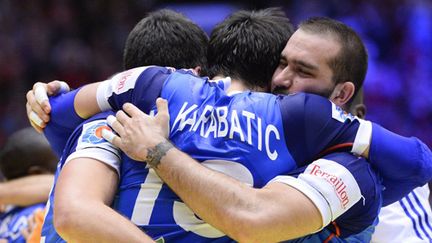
(342,93)
(359,110)
(197,69)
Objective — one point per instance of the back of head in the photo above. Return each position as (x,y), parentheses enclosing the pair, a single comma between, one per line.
(351,63)
(26,152)
(166,38)
(247,46)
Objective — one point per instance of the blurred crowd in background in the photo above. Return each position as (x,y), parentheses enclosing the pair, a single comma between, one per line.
(81,41)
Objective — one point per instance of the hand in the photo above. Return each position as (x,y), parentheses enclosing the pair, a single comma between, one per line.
(140,135)
(38,107)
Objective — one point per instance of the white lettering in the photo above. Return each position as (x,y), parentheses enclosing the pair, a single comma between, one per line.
(205,115)
(235,126)
(212,127)
(270,128)
(249,116)
(259,134)
(215,120)
(222,113)
(181,116)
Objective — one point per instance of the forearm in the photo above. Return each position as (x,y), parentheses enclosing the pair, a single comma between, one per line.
(63,120)
(85,103)
(27,190)
(84,191)
(240,211)
(96,222)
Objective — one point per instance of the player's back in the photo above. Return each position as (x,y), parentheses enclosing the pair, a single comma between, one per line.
(245,141)
(243,135)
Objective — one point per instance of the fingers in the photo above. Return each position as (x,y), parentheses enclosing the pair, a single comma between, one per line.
(40,92)
(56,87)
(39,126)
(36,122)
(132,110)
(162,108)
(122,117)
(38,99)
(117,126)
(36,127)
(33,105)
(112,138)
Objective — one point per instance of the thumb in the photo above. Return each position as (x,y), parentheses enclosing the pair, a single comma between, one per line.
(56,87)
(162,110)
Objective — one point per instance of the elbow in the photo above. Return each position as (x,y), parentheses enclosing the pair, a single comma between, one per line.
(62,223)
(66,219)
(244,226)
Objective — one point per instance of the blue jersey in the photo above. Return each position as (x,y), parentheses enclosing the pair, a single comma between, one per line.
(14,220)
(253,137)
(289,132)
(85,141)
(410,159)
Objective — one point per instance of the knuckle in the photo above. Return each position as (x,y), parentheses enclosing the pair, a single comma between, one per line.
(36,84)
(29,94)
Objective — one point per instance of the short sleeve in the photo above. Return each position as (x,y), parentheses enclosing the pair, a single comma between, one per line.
(90,144)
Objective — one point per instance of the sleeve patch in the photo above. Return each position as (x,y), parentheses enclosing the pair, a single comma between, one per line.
(91,144)
(125,81)
(329,185)
(335,182)
(118,84)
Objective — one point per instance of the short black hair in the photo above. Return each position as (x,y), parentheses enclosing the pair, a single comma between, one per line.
(247,45)
(24,150)
(351,62)
(166,38)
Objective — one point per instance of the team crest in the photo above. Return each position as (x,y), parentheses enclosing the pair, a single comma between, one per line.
(93,133)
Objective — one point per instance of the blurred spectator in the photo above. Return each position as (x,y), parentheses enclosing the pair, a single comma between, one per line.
(25,155)
(80,41)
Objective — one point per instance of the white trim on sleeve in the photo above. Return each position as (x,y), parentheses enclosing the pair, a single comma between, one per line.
(363,137)
(91,144)
(104,156)
(317,199)
(102,94)
(329,185)
(117,84)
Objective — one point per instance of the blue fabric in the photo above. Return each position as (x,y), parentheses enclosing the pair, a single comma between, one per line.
(63,120)
(404,163)
(15,220)
(248,130)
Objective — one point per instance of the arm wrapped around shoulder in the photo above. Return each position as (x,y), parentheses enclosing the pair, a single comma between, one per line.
(404,163)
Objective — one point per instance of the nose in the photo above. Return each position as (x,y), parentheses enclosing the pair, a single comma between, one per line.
(282,81)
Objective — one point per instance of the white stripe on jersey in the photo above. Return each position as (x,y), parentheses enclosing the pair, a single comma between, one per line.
(117,84)
(363,137)
(408,220)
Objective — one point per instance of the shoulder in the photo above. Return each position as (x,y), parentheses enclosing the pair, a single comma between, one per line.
(87,141)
